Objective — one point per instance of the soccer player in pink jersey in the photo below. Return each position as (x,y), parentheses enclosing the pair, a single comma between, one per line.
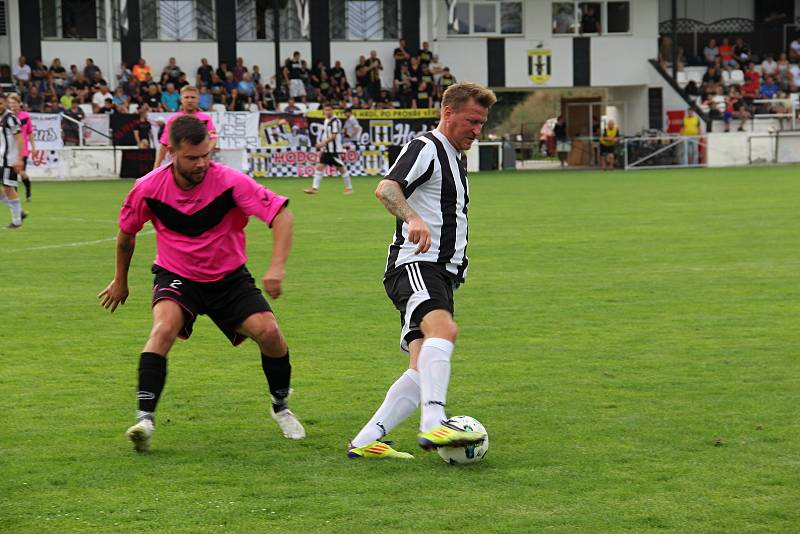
(189,106)
(26,129)
(199,209)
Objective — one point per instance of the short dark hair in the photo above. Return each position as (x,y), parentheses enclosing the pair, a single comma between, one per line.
(187,128)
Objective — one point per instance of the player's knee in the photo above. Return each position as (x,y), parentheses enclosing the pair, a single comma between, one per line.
(445,330)
(267,334)
(165,331)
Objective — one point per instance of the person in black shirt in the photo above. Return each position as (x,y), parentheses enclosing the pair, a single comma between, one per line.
(401,57)
(222,70)
(375,68)
(90,69)
(589,21)
(153,98)
(337,72)
(425,55)
(143,129)
(422,97)
(204,72)
(34,100)
(268,102)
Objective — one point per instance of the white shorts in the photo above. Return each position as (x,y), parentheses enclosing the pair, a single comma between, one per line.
(563,146)
(296,88)
(9,177)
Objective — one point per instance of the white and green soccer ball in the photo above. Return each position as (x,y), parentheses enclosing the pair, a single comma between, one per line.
(465,455)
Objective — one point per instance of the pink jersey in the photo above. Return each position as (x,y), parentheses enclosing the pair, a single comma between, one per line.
(164,138)
(199,232)
(26,129)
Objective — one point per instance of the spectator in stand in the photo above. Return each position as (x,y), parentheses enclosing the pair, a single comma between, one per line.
(123,75)
(222,70)
(375,68)
(90,69)
(445,80)
(217,89)
(239,70)
(98,79)
(384,100)
(143,129)
(711,81)
(425,55)
(34,102)
(752,83)
(268,101)
(427,76)
(769,88)
(81,87)
(291,107)
(204,73)
(40,76)
(589,21)
(66,99)
(230,83)
(69,129)
(121,100)
(691,89)
(206,99)
(741,52)
(172,71)
(141,70)
(794,50)
(72,75)
(256,75)
(170,99)
(793,75)
(297,88)
(99,98)
(108,107)
(403,87)
(711,52)
(305,75)
(726,54)
(182,81)
(337,72)
(422,97)
(133,89)
(236,102)
(735,108)
(21,74)
(401,57)
(769,67)
(153,98)
(435,66)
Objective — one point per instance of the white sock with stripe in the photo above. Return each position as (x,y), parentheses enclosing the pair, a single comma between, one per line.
(434,372)
(317,180)
(401,401)
(347,182)
(16,211)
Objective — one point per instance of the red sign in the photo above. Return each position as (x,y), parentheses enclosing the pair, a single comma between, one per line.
(675,121)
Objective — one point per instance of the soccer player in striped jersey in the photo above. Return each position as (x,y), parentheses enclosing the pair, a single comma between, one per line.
(331,147)
(26,129)
(428,193)
(10,162)
(199,209)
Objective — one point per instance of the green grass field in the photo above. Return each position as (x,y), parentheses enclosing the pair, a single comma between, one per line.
(630,341)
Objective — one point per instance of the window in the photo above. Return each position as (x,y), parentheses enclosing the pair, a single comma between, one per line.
(365,20)
(178,20)
(73,19)
(254,20)
(592,18)
(619,17)
(497,17)
(3,28)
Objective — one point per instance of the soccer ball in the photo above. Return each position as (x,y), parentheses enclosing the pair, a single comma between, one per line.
(465,455)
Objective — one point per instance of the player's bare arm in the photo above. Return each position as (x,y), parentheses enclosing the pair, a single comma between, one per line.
(281,244)
(393,199)
(162,152)
(116,292)
(18,163)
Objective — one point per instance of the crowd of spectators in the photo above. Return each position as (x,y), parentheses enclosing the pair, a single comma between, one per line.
(737,82)
(418,81)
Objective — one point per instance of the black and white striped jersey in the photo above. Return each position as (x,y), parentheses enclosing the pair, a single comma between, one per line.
(330,127)
(9,128)
(433,176)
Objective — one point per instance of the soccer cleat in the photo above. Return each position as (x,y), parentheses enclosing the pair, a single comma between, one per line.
(12,226)
(24,215)
(348,190)
(447,435)
(28,199)
(289,423)
(377,450)
(141,434)
(311,191)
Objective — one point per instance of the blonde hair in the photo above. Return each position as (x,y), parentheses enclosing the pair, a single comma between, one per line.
(189,88)
(15,97)
(460,93)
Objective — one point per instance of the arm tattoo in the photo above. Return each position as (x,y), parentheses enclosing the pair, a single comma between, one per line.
(394,201)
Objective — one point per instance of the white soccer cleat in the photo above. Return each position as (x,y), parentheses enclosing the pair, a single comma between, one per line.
(289,423)
(141,434)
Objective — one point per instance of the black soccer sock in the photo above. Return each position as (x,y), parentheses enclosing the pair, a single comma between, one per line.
(279,376)
(152,375)
(27,183)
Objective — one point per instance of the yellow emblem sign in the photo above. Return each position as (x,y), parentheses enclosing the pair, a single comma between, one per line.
(539,65)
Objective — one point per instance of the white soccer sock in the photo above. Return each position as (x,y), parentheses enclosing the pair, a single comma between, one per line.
(317,180)
(347,182)
(401,401)
(434,373)
(16,211)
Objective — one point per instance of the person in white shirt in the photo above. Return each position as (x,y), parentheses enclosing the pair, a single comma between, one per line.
(769,67)
(794,50)
(21,72)
(99,98)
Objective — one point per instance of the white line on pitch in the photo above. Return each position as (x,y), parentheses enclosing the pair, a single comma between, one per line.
(76,244)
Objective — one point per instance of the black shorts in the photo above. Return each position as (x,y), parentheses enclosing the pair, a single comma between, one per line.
(228,302)
(605,149)
(417,289)
(331,158)
(8,177)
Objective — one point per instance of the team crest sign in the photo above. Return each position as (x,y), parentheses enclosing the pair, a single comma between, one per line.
(540,65)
